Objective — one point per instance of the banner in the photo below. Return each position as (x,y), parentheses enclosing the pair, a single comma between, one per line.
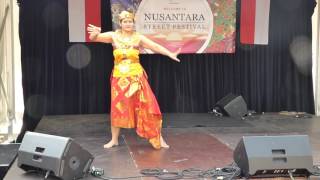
(254,21)
(197,26)
(81,13)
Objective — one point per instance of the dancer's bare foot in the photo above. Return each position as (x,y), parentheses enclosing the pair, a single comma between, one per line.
(110,144)
(163,143)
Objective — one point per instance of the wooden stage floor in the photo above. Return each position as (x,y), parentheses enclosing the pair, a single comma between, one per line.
(201,141)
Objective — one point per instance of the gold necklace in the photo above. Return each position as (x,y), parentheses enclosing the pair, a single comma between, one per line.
(125,42)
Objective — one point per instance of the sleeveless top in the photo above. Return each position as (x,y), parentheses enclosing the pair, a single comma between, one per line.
(126,55)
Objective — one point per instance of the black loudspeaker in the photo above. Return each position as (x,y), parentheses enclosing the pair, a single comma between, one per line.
(274,156)
(232,105)
(60,156)
(8,153)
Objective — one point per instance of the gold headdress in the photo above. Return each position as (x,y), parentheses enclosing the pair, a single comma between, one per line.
(125,14)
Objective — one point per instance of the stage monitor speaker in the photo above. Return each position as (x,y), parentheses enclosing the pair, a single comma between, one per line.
(60,156)
(274,156)
(232,105)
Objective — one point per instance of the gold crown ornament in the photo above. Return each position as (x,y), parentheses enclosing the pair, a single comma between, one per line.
(125,14)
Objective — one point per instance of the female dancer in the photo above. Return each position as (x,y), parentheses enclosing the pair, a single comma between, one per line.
(133,104)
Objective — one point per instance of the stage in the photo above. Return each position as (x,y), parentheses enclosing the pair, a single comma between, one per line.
(201,141)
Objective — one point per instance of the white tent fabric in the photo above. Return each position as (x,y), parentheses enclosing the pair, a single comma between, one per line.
(4,102)
(316,57)
(10,70)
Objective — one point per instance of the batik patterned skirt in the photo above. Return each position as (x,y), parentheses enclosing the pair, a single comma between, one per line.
(133,105)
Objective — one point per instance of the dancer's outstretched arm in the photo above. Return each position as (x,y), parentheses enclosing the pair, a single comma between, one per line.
(149,44)
(97,36)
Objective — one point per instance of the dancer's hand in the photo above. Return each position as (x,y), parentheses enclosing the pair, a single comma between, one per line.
(94,31)
(175,54)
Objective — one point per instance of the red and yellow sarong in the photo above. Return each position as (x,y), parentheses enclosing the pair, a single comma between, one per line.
(133,104)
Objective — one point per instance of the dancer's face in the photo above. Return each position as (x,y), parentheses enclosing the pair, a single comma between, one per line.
(127,24)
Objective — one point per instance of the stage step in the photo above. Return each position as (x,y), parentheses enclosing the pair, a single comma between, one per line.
(8,153)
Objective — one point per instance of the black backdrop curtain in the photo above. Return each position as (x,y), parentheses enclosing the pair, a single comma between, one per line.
(266,76)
